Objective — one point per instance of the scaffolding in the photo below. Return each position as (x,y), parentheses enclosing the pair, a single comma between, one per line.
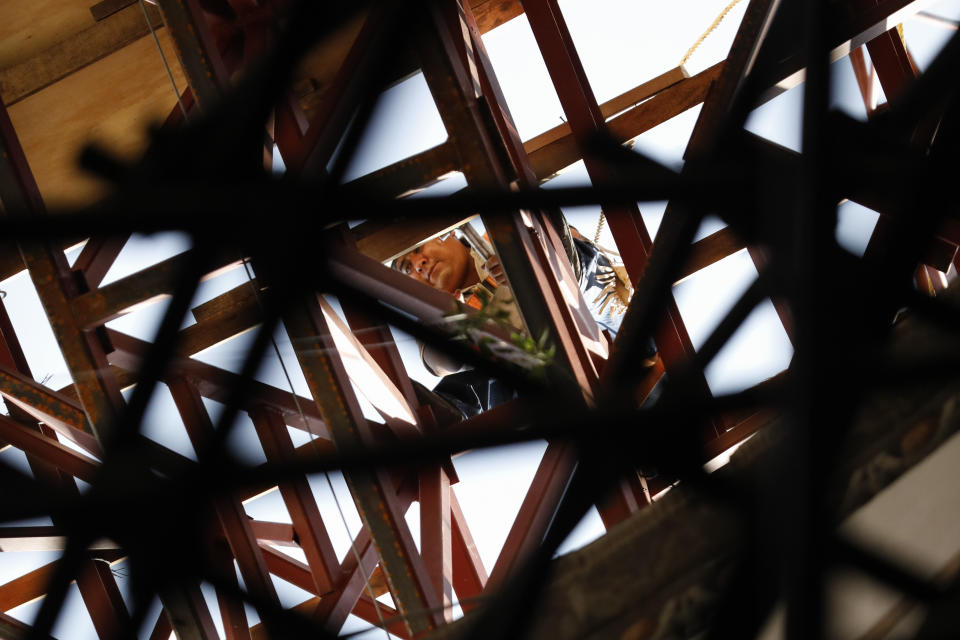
(179,522)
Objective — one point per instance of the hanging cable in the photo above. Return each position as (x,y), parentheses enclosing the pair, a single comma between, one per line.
(156,41)
(313,442)
(714,25)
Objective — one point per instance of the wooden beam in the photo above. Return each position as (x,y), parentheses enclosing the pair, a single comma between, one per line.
(101,305)
(613,106)
(410,174)
(659,99)
(670,102)
(490,14)
(107,36)
(106,8)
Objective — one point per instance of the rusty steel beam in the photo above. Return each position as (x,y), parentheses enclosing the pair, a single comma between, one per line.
(549,152)
(352,579)
(51,407)
(97,390)
(162,628)
(623,102)
(298,498)
(55,286)
(196,49)
(373,491)
(188,612)
(215,383)
(410,174)
(95,582)
(367,609)
(864,73)
(101,305)
(551,252)
(357,570)
(23,589)
(46,449)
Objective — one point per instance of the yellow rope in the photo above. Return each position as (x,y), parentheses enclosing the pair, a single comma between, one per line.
(596,236)
(716,22)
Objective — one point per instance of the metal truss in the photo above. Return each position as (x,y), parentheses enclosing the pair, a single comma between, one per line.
(180,522)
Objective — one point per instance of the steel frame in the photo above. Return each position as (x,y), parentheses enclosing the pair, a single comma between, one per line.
(179,522)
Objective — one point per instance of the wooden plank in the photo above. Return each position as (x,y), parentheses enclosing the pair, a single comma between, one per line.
(668,103)
(614,105)
(410,174)
(78,51)
(112,102)
(490,14)
(706,251)
(106,8)
(101,305)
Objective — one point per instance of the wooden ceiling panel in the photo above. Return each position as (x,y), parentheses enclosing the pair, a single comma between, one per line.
(112,102)
(28,27)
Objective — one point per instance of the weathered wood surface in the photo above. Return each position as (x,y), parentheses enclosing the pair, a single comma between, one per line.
(76,52)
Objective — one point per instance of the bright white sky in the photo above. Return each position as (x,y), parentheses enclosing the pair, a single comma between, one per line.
(622,43)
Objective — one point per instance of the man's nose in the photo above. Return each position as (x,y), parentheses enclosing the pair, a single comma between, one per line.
(421,264)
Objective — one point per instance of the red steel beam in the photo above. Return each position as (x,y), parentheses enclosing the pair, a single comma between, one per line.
(469,574)
(47,449)
(96,307)
(299,499)
(274,532)
(48,406)
(95,582)
(232,612)
(214,383)
(101,597)
(356,569)
(233,519)
(332,117)
(96,258)
(373,491)
(538,507)
(56,286)
(162,628)
(436,544)
(455,86)
(586,120)
(196,49)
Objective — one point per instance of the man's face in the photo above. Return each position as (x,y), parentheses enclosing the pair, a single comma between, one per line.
(442,264)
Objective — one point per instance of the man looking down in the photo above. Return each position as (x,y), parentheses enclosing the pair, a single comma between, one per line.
(450,265)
